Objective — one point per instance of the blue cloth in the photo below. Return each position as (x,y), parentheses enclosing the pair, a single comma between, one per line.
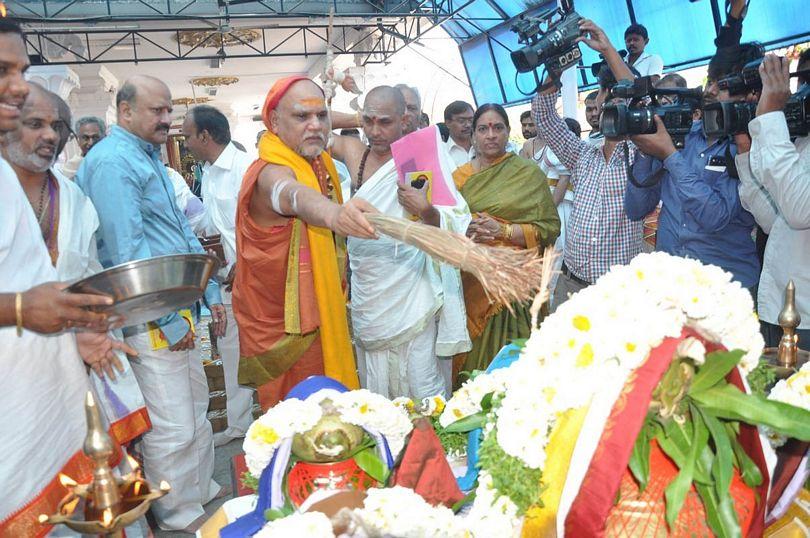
(701,215)
(127,182)
(504,359)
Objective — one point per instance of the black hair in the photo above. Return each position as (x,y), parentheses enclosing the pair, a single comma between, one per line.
(350,132)
(592,95)
(9,26)
(637,29)
(208,118)
(525,114)
(454,108)
(730,60)
(674,78)
(573,125)
(443,131)
(804,63)
(425,118)
(498,109)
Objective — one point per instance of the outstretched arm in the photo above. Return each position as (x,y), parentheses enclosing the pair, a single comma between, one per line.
(279,192)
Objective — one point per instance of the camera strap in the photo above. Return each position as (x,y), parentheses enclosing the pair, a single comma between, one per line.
(656,178)
(731,165)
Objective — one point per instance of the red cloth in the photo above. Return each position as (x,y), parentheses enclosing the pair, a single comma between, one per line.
(597,493)
(276,93)
(424,468)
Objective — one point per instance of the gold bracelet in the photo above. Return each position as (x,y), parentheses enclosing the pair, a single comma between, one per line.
(506,231)
(358,118)
(18,310)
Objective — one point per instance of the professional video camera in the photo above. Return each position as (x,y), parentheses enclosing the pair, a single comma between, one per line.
(555,48)
(745,81)
(638,116)
(730,118)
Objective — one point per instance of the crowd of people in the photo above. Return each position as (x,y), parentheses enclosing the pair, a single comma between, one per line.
(308,285)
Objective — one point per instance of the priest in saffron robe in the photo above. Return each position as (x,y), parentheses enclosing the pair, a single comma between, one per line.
(289,286)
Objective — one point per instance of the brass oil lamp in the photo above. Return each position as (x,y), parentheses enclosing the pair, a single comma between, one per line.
(787,358)
(110,502)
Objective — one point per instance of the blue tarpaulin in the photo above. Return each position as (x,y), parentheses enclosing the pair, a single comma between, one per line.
(682,32)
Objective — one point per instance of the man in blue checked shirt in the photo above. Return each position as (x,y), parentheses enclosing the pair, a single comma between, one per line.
(701,214)
(128,184)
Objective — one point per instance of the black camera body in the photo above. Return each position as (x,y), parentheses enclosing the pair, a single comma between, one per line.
(731,118)
(637,117)
(555,48)
(727,118)
(745,81)
(797,112)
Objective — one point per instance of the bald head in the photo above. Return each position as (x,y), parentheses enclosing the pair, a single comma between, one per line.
(413,107)
(35,145)
(385,96)
(301,119)
(144,108)
(383,118)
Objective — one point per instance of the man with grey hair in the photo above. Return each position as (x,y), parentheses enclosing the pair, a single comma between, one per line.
(413,108)
(127,182)
(89,131)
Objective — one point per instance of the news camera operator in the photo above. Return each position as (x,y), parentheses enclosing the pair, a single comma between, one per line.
(701,213)
(775,187)
(599,234)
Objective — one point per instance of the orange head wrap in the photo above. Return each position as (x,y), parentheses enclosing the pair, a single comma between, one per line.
(276,93)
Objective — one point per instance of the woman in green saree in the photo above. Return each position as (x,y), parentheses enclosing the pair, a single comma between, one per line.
(511,206)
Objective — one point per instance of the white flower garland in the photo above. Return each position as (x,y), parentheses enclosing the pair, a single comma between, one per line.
(593,342)
(396,511)
(289,417)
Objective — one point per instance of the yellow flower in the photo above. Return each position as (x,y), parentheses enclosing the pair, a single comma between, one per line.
(582,323)
(640,274)
(585,357)
(364,409)
(572,343)
(265,434)
(457,413)
(630,347)
(549,393)
(439,401)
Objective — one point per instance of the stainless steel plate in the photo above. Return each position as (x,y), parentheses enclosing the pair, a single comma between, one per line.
(146,290)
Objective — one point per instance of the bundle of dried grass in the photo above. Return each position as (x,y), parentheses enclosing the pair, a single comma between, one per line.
(507,275)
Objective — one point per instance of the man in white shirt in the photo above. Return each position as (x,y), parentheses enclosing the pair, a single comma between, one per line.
(775,188)
(636,39)
(458,117)
(208,138)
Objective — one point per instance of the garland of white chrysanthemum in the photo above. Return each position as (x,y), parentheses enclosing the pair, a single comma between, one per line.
(592,343)
(362,408)
(396,511)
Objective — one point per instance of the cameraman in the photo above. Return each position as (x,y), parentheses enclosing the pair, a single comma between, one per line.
(599,234)
(775,187)
(701,215)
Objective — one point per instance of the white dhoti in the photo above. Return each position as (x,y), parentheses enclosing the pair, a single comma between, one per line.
(43,383)
(407,310)
(239,398)
(555,171)
(179,447)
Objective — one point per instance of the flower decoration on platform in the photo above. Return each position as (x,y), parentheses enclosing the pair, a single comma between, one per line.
(363,408)
(307,524)
(214,81)
(794,391)
(582,355)
(217,40)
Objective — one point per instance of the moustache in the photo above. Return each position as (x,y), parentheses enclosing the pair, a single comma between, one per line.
(162,127)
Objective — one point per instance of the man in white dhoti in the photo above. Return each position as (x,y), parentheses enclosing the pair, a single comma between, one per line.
(406,310)
(44,381)
(128,184)
(208,138)
(69,221)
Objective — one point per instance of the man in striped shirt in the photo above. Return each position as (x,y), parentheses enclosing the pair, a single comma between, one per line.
(599,234)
